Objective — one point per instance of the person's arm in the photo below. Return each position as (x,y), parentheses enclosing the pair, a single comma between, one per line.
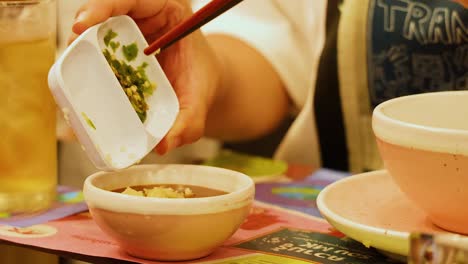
(226,88)
(251,99)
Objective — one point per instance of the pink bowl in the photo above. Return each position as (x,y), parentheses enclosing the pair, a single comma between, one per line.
(423,141)
(169,229)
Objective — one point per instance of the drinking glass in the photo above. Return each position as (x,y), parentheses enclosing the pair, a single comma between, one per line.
(28,156)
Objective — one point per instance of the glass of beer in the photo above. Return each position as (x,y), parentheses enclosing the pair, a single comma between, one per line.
(28,155)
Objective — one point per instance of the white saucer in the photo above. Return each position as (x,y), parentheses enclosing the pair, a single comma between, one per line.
(371,209)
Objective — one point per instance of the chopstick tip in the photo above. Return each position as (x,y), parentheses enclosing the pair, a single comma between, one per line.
(148,51)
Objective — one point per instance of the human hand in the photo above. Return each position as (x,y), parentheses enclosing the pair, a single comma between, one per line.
(190,64)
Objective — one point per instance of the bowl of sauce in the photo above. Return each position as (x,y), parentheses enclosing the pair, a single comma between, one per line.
(169,212)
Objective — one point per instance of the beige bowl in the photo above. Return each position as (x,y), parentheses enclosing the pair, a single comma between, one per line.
(169,229)
(423,140)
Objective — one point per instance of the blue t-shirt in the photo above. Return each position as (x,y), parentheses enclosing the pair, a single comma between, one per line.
(413,46)
(416,46)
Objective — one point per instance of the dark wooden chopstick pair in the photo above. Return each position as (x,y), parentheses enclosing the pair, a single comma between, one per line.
(194,22)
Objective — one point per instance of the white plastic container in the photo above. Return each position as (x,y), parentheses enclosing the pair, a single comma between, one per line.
(97,108)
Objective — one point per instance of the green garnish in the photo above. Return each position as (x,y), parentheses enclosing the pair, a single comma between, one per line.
(134,81)
(114,45)
(143,66)
(109,36)
(130,52)
(90,123)
(147,89)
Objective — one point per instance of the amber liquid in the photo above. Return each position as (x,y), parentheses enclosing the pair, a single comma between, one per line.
(199,191)
(28,169)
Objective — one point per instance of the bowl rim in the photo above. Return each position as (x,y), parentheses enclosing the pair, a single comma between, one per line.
(379,110)
(399,132)
(146,205)
(356,230)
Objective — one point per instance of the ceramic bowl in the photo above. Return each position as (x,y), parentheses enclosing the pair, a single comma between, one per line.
(423,141)
(163,228)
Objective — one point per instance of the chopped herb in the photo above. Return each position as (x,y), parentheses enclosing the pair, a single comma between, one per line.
(134,81)
(90,123)
(147,87)
(114,45)
(109,36)
(130,52)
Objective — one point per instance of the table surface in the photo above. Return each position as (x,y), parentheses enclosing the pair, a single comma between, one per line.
(295,172)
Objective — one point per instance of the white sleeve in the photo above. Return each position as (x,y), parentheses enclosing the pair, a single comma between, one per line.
(275,31)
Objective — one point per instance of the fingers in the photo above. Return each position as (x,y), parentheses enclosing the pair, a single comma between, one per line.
(191,90)
(97,11)
(188,128)
(170,15)
(152,27)
(72,38)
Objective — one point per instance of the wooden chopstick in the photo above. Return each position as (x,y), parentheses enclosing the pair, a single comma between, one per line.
(194,22)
